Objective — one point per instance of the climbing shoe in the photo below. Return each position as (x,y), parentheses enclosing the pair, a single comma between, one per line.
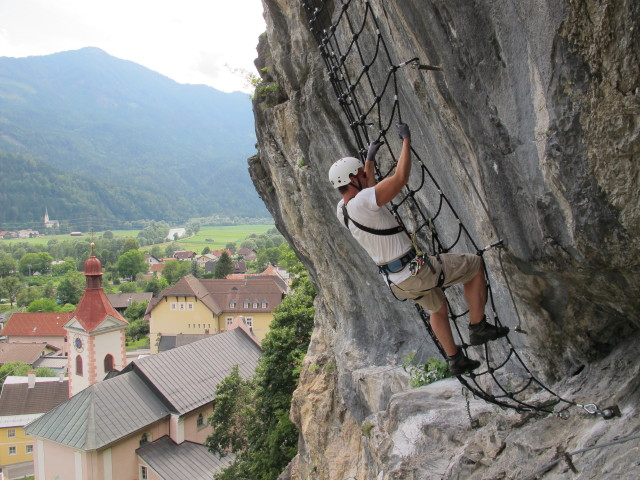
(459,364)
(484,332)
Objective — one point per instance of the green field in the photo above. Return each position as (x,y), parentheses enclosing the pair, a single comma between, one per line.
(221,236)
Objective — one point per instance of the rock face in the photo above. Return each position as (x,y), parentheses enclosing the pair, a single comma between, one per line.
(533,127)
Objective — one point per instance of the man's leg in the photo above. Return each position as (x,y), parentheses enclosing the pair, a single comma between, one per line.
(442,328)
(475,292)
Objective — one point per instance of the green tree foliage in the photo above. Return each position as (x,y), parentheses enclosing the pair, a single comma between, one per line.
(135,311)
(174,270)
(28,295)
(156,285)
(137,329)
(8,265)
(20,369)
(257,427)
(35,262)
(155,232)
(71,287)
(233,414)
(9,288)
(43,305)
(224,266)
(131,263)
(60,269)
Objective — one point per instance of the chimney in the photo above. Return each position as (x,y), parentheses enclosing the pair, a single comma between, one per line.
(31,378)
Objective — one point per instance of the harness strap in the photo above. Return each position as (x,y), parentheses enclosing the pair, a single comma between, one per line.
(386,231)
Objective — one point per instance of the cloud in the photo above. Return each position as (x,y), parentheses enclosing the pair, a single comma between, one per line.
(190,41)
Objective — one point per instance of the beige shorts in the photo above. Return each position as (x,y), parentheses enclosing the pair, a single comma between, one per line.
(458,268)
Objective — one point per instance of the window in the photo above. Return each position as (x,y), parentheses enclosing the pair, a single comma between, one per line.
(12,450)
(143,473)
(174,306)
(246,304)
(145,438)
(29,449)
(264,304)
(232,304)
(108,363)
(190,306)
(79,365)
(248,321)
(200,422)
(11,432)
(229,321)
(255,304)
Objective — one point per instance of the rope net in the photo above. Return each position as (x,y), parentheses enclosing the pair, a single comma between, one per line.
(365,81)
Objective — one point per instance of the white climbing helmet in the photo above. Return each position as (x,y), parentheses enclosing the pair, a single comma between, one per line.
(341,169)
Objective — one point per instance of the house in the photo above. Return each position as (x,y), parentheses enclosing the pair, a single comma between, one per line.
(208,306)
(184,255)
(122,301)
(38,328)
(22,400)
(151,260)
(28,353)
(201,260)
(239,267)
(28,233)
(247,254)
(149,421)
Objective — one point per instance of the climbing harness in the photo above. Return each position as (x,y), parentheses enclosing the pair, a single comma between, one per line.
(365,82)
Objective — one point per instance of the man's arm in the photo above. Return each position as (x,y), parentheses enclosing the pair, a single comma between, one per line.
(370,163)
(391,186)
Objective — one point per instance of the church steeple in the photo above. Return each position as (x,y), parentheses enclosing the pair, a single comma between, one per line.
(96,337)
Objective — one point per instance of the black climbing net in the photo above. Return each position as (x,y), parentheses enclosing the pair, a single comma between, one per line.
(365,81)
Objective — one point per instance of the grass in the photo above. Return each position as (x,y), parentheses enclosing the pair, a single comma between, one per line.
(221,235)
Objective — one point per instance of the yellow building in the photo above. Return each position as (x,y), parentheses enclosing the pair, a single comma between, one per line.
(22,400)
(207,306)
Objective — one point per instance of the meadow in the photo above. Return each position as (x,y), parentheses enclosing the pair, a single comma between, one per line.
(214,237)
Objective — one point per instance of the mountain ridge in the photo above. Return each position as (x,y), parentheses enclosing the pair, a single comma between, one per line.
(180,149)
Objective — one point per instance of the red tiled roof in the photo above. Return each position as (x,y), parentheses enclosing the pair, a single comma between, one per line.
(37,324)
(94,306)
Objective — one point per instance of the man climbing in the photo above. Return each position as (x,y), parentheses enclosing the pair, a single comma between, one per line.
(418,278)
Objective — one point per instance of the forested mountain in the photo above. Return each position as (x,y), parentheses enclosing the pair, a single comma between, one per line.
(85,133)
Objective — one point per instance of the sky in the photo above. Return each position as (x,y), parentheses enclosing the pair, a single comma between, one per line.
(190,41)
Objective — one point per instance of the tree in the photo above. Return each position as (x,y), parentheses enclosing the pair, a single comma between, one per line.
(235,400)
(224,266)
(137,329)
(43,305)
(20,369)
(206,250)
(28,295)
(35,262)
(108,235)
(253,420)
(135,311)
(156,285)
(71,287)
(8,265)
(131,263)
(62,268)
(174,270)
(128,287)
(10,287)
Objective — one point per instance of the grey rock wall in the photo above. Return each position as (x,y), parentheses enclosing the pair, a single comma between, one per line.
(532,130)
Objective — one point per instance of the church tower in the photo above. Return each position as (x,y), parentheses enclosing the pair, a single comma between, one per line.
(95,334)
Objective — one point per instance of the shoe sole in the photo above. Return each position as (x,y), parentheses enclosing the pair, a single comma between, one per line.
(489,339)
(466,370)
